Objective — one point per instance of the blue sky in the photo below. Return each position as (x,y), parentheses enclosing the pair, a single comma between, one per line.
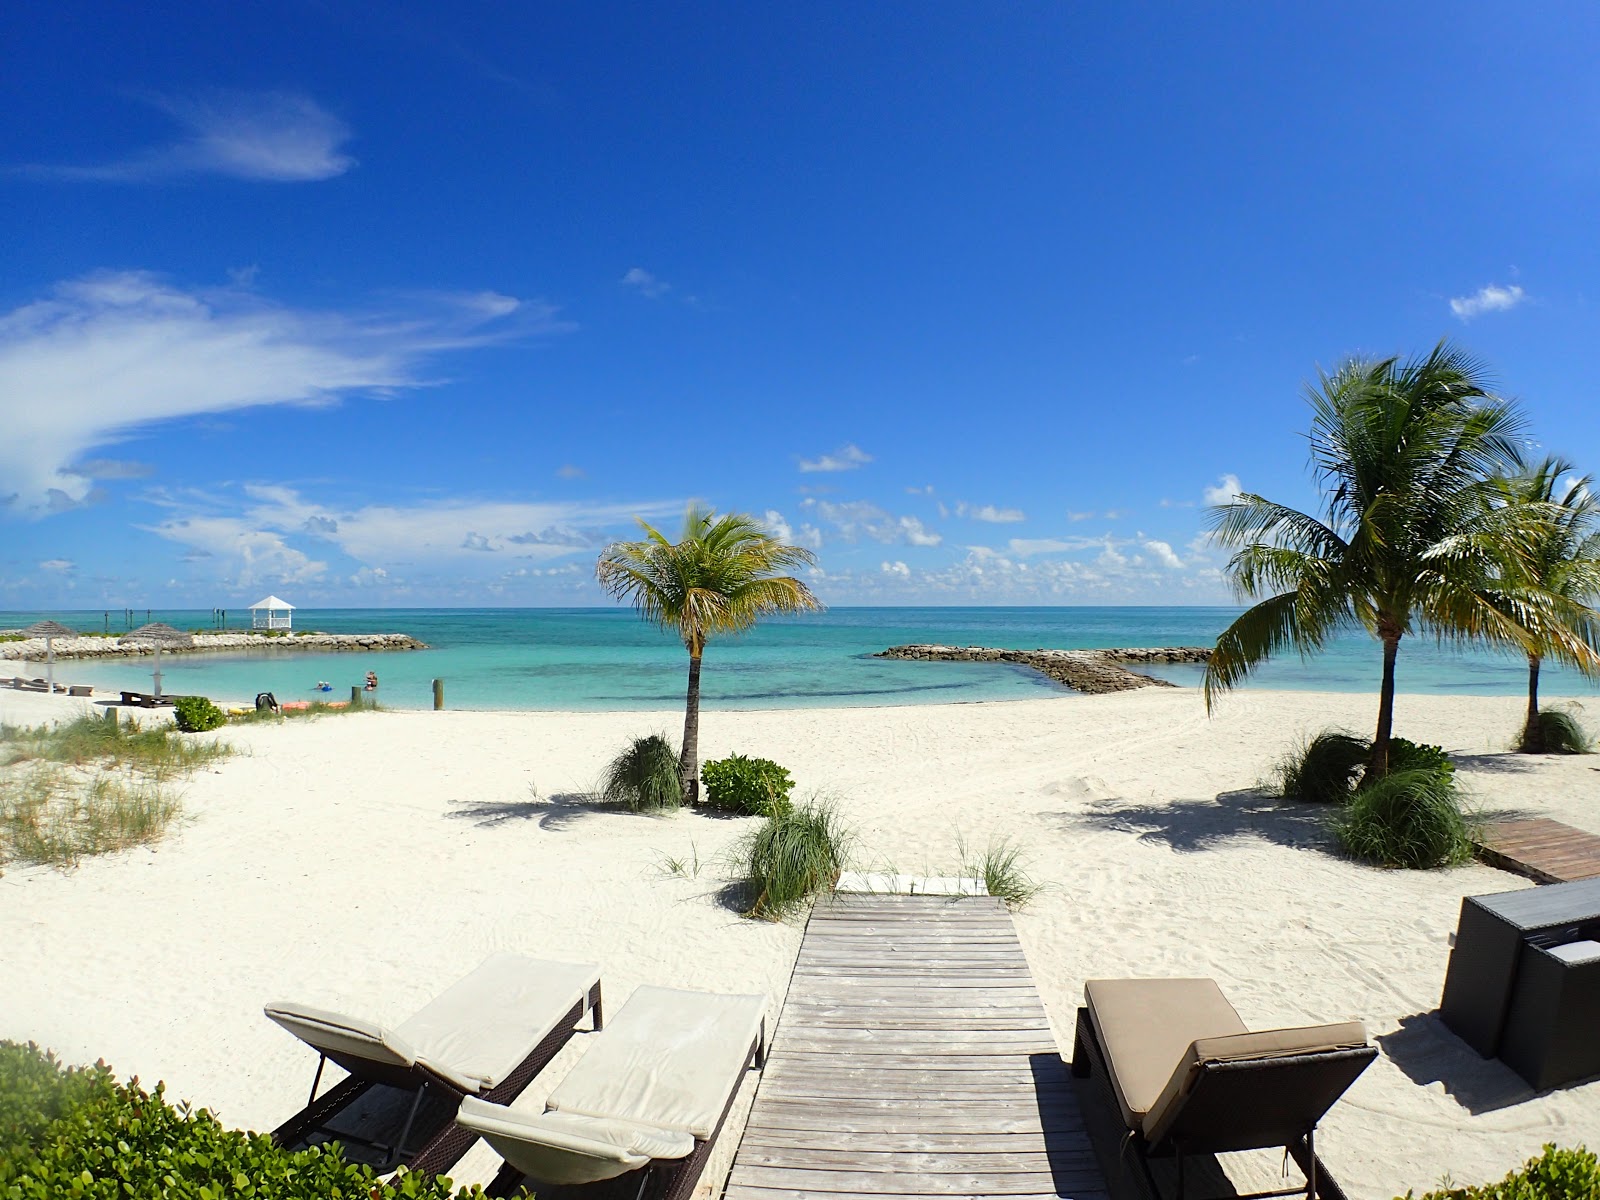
(389,304)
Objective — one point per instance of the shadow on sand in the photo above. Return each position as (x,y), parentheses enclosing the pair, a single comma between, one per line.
(1193,825)
(557,812)
(1425,1049)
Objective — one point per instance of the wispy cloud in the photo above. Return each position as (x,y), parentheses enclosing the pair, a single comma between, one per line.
(568,471)
(988,512)
(274,137)
(108,356)
(645,283)
(857,519)
(847,458)
(1226,491)
(1492,298)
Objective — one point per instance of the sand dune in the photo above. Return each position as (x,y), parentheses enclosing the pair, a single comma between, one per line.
(363,861)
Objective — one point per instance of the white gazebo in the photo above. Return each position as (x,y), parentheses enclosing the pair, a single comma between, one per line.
(271,613)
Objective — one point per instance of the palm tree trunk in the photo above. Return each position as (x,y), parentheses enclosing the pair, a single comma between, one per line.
(1532,731)
(689,757)
(1378,764)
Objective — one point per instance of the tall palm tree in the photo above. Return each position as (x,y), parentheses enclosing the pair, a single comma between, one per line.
(1406,454)
(1563,561)
(720,576)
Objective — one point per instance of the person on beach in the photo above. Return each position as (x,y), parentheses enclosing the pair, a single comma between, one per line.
(372,681)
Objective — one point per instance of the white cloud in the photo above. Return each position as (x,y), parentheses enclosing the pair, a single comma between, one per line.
(1026,547)
(920,491)
(846,458)
(856,519)
(896,568)
(1226,491)
(988,512)
(105,357)
(58,565)
(916,535)
(1079,516)
(645,283)
(1164,555)
(251,555)
(277,137)
(568,471)
(1492,298)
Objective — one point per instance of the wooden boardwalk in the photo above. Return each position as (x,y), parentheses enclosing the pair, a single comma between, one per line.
(913,1058)
(1541,849)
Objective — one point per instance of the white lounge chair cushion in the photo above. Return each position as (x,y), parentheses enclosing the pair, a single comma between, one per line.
(567,1149)
(473,1034)
(670,1059)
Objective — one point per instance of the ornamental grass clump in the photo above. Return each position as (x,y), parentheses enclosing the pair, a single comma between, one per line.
(1558,732)
(48,817)
(1411,817)
(797,852)
(1003,871)
(751,786)
(1324,769)
(644,777)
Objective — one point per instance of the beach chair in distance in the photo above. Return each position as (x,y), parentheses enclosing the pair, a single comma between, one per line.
(487,1035)
(1186,1076)
(639,1114)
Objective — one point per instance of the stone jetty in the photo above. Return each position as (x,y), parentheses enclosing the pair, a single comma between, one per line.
(33,649)
(1091,671)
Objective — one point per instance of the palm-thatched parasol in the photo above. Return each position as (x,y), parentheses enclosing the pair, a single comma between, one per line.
(158,634)
(49,631)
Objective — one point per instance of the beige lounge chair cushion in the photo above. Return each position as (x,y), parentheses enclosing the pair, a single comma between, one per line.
(569,1149)
(473,1034)
(1244,1047)
(670,1059)
(1146,1025)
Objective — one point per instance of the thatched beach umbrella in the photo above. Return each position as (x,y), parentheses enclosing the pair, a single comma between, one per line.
(49,631)
(158,634)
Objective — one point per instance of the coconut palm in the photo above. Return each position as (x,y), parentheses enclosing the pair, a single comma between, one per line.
(1406,454)
(720,576)
(1562,561)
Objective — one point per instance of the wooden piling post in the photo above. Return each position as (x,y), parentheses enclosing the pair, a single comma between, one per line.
(355,695)
(438,695)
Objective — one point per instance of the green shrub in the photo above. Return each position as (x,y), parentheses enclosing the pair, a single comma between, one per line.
(1324,769)
(1410,818)
(644,776)
(1405,755)
(1560,732)
(196,714)
(753,786)
(1554,1175)
(77,1134)
(797,852)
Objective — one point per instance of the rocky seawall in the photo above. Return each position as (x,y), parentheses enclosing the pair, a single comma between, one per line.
(33,649)
(1092,671)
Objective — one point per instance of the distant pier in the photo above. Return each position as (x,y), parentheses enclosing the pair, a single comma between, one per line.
(102,646)
(1094,672)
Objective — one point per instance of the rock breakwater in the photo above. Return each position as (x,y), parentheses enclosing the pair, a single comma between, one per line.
(108,647)
(1091,671)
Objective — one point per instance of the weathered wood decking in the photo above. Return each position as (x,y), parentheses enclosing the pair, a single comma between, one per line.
(1541,849)
(913,1058)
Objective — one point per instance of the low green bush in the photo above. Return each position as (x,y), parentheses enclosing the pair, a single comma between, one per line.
(1406,755)
(797,852)
(77,1134)
(1324,769)
(644,776)
(1410,818)
(196,714)
(1569,1174)
(753,786)
(1559,732)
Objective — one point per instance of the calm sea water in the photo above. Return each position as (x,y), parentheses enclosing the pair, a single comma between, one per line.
(606,659)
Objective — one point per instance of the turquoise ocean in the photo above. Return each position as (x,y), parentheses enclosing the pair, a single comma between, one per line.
(607,659)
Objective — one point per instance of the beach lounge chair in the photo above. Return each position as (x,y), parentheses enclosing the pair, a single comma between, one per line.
(487,1035)
(641,1109)
(1187,1077)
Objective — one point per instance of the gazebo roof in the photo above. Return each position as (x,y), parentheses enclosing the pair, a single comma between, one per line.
(49,629)
(271,602)
(159,634)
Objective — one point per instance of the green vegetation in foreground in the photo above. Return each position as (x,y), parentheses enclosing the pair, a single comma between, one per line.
(1559,731)
(794,854)
(316,708)
(644,777)
(1421,531)
(720,576)
(1572,1174)
(78,1133)
(1003,870)
(1412,816)
(749,786)
(90,786)
(196,714)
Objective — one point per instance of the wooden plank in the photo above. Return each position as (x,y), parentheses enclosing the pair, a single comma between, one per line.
(917,1141)
(1542,849)
(991,1183)
(762,1193)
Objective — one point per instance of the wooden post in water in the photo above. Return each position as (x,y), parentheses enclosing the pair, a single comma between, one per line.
(355,695)
(438,695)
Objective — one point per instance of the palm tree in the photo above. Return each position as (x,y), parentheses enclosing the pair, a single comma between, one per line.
(1562,561)
(1406,454)
(720,576)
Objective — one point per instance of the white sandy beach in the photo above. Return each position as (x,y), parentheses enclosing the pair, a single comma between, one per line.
(364,862)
